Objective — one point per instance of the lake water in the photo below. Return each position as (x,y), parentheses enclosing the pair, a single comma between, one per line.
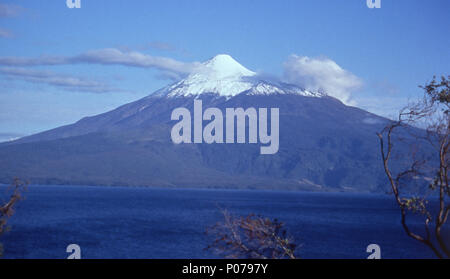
(123,222)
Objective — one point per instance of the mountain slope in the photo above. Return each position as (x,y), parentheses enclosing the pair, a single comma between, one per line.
(324,145)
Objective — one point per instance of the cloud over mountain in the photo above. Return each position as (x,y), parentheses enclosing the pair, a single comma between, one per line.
(321,74)
(313,74)
(108,56)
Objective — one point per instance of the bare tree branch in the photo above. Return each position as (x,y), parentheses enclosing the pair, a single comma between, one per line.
(432,111)
(7,209)
(251,237)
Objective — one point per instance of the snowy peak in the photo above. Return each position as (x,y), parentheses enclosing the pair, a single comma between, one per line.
(220,75)
(224,66)
(224,76)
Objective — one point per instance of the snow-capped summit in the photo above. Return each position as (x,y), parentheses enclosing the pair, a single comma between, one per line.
(220,75)
(224,76)
(223,66)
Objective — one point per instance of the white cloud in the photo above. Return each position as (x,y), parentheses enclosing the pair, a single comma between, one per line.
(321,74)
(134,59)
(109,56)
(68,83)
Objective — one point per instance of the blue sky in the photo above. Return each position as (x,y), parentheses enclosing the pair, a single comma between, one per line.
(58,65)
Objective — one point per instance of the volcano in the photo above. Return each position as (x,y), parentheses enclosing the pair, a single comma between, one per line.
(324,145)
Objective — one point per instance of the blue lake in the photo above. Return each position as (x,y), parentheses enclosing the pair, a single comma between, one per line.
(130,222)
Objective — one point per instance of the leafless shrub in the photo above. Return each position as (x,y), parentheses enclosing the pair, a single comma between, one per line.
(7,208)
(251,237)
